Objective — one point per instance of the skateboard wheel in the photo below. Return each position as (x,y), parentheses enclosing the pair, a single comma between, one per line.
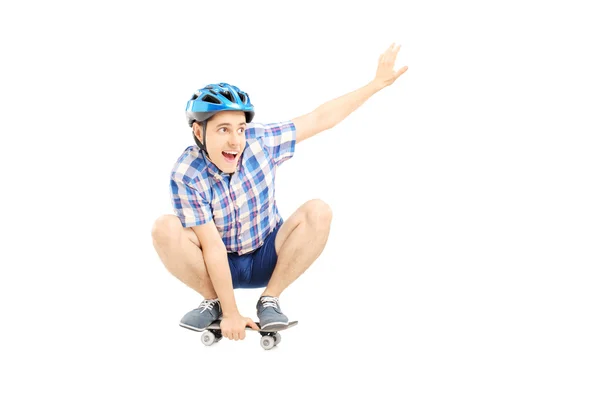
(208,338)
(267,342)
(277,337)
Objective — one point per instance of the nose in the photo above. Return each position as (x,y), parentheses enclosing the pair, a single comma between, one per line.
(235,140)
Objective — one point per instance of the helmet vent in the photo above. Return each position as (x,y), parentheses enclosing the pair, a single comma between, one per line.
(211,99)
(242,97)
(227,95)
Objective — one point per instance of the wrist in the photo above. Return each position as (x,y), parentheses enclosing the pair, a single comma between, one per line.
(376,85)
(232,312)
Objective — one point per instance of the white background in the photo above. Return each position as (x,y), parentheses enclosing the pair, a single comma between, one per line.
(463,257)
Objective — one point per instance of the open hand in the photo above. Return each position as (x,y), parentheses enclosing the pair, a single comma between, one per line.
(386,75)
(234,327)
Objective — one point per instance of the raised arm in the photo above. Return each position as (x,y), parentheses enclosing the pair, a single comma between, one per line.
(331,113)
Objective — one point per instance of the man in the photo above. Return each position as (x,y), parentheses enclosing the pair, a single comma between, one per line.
(227,232)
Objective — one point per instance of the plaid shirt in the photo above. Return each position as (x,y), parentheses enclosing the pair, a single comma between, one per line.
(242,205)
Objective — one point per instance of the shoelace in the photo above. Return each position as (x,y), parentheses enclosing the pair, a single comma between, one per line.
(270,302)
(207,305)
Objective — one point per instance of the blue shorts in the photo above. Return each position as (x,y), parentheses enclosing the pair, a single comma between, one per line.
(253,270)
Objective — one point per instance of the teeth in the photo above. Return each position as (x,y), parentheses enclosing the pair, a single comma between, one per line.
(231,152)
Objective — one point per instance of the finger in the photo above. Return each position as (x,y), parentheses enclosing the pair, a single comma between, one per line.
(384,55)
(236,336)
(391,53)
(384,59)
(401,71)
(388,52)
(251,324)
(394,54)
(393,49)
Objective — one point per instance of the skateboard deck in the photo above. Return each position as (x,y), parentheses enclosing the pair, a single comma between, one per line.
(217,326)
(269,337)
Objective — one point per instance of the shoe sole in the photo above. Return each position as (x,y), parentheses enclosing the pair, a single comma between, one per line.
(273,326)
(193,328)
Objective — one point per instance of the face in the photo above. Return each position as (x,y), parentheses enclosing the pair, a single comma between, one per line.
(225,139)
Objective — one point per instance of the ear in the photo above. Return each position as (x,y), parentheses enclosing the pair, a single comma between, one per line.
(197,131)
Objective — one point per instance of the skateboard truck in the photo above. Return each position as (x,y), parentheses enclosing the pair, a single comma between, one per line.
(268,340)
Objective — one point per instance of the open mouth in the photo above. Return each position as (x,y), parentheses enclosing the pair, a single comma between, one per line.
(229,155)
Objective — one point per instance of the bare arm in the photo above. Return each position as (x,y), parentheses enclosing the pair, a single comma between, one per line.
(217,265)
(331,113)
(233,325)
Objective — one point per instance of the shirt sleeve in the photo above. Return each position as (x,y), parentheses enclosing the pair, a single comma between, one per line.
(278,138)
(189,204)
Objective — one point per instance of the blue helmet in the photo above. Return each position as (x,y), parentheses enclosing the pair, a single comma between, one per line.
(214,98)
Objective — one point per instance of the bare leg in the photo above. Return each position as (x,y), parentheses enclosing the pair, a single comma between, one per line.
(299,242)
(179,250)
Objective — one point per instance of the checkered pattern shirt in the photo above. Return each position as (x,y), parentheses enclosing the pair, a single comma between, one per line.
(242,205)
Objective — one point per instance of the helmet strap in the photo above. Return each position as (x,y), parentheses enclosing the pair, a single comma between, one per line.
(203,148)
(202,143)
(204,135)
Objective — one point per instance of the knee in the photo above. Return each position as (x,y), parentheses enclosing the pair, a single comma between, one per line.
(319,213)
(165,228)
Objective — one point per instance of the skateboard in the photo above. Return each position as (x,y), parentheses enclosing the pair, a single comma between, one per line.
(269,337)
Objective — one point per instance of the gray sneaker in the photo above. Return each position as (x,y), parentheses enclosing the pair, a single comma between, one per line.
(200,318)
(269,314)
